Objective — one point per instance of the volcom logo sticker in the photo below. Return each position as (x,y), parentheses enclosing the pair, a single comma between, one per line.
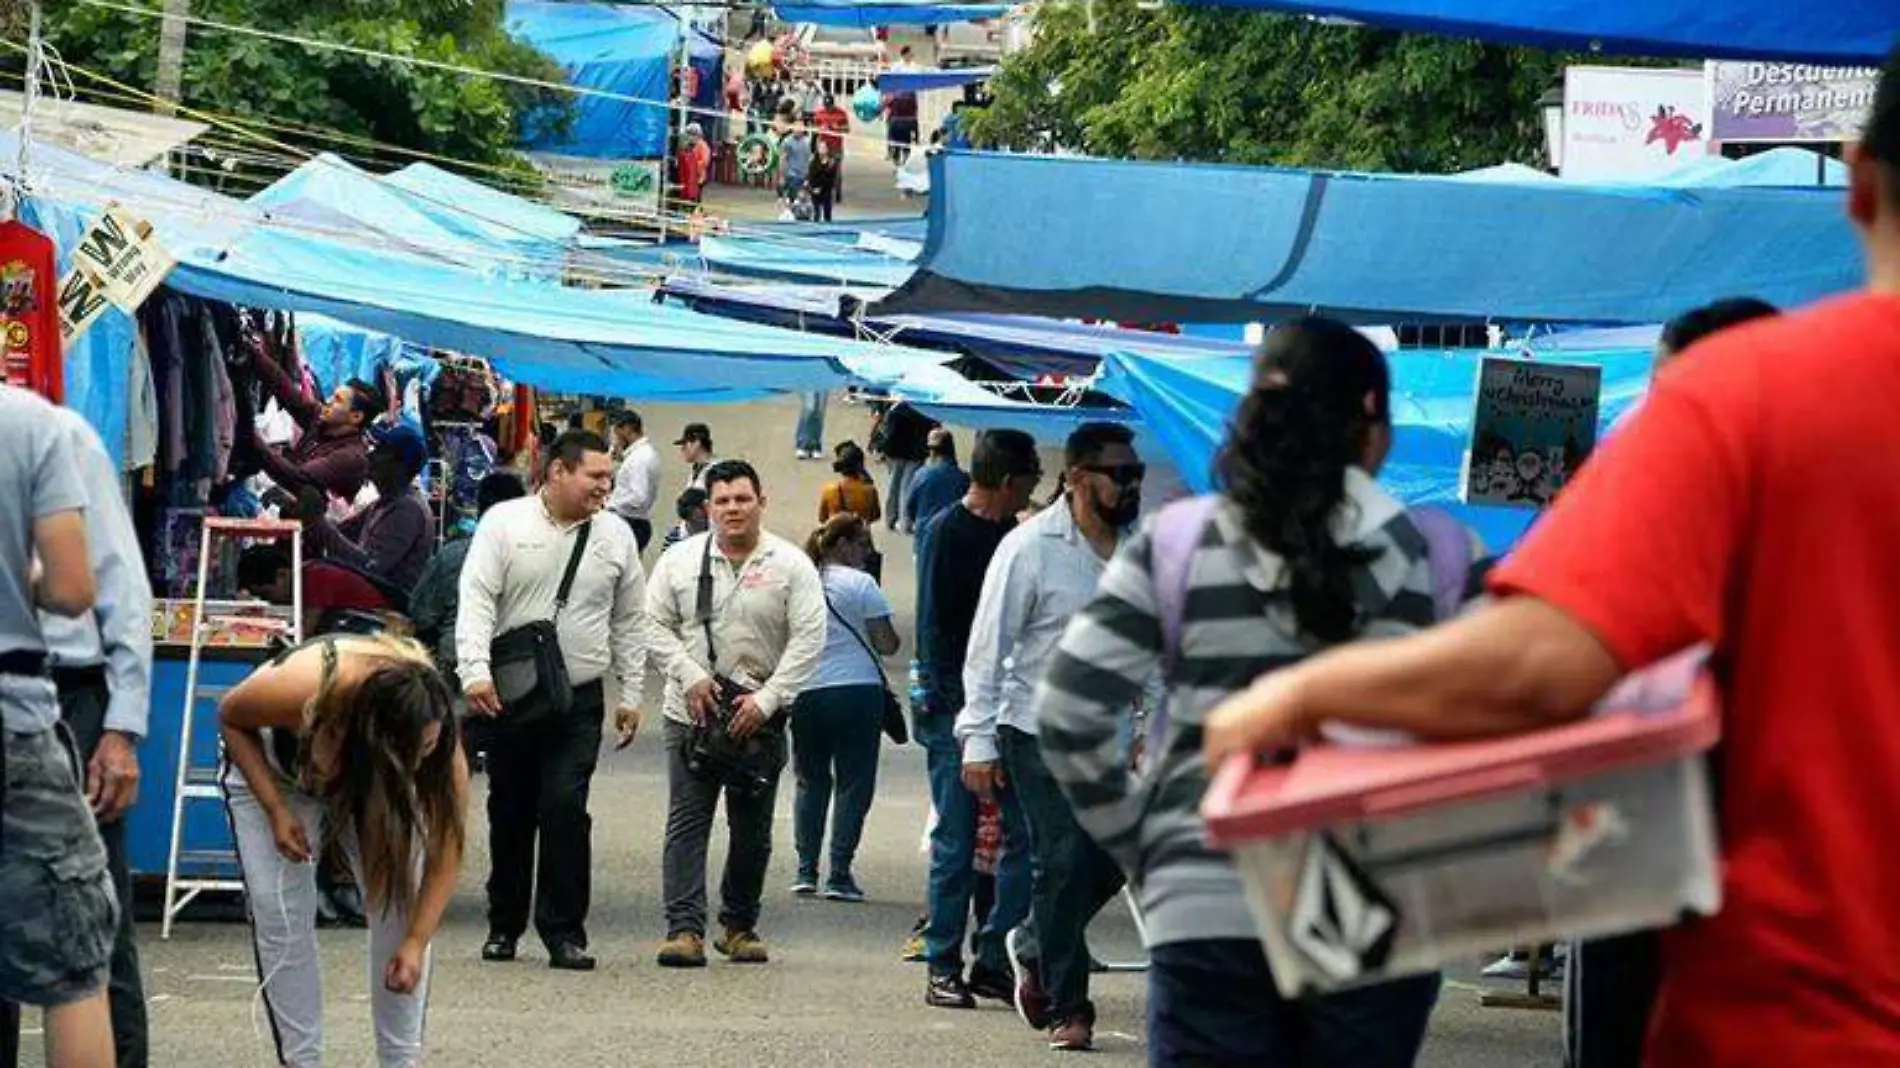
(1341,920)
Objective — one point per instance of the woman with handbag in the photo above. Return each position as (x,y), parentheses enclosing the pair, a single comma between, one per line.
(836,720)
(349,741)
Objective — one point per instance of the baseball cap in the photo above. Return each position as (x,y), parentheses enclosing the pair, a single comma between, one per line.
(699,432)
(403,439)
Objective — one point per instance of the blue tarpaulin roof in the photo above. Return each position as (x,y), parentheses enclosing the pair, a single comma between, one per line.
(889,13)
(1068,237)
(615,343)
(919,81)
(1021,346)
(626,50)
(1185,405)
(1832,31)
(804,261)
(482,212)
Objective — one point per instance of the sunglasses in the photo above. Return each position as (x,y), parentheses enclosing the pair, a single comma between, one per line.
(1120,474)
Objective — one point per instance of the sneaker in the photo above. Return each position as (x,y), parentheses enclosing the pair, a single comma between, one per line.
(842,887)
(742,947)
(947,991)
(1516,966)
(1032,1002)
(914,950)
(992,984)
(683,949)
(807,882)
(1074,1034)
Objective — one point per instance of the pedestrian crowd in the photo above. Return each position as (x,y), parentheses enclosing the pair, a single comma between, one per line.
(1080,672)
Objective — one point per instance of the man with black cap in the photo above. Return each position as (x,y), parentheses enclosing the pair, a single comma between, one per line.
(372,559)
(1746,509)
(696,448)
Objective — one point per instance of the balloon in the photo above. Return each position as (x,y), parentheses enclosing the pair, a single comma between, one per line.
(866,103)
(759,59)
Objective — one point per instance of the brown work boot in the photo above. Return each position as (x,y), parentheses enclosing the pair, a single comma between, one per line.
(742,947)
(683,949)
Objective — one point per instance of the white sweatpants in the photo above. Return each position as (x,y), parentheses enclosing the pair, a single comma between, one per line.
(282,897)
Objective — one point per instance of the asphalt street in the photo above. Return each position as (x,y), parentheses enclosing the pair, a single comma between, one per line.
(835,993)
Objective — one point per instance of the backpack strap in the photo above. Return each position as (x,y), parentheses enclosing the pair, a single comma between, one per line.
(1177,533)
(1448,552)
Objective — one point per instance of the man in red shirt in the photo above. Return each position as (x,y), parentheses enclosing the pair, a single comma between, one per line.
(695,165)
(833,123)
(1753,505)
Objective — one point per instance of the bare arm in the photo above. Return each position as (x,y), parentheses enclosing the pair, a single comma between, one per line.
(444,866)
(883,635)
(272,696)
(66,585)
(1516,665)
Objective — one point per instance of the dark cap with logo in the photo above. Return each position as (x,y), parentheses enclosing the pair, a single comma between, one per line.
(698,432)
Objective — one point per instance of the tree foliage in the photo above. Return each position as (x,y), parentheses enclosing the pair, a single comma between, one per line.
(277,87)
(1219,84)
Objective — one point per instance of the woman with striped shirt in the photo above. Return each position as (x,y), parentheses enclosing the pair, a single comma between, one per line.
(1299,551)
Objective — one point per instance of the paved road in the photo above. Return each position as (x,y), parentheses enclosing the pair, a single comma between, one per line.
(835,993)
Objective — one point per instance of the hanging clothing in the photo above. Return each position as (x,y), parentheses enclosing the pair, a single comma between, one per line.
(141,417)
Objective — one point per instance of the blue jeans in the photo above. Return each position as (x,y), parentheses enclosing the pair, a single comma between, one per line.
(835,739)
(1073,877)
(952,851)
(811,421)
(897,493)
(1213,1004)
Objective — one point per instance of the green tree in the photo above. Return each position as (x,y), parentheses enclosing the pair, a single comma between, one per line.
(1225,85)
(282,89)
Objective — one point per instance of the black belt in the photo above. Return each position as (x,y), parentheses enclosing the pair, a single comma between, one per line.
(23,662)
(87,677)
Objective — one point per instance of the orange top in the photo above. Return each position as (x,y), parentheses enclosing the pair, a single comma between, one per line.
(850,494)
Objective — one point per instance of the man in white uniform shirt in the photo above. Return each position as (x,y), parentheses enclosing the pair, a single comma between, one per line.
(1044,573)
(637,480)
(743,611)
(539,772)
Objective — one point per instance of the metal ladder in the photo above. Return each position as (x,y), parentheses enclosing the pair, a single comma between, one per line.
(196,782)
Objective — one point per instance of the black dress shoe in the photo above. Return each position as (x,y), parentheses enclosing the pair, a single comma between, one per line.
(498,948)
(568,957)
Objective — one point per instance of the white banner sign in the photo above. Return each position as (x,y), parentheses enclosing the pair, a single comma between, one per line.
(1628,123)
(125,261)
(80,303)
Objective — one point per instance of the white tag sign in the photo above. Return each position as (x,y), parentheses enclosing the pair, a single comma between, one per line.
(127,263)
(81,303)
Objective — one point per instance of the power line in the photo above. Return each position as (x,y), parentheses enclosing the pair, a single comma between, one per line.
(428,64)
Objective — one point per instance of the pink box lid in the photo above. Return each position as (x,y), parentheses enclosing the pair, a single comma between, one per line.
(1332,784)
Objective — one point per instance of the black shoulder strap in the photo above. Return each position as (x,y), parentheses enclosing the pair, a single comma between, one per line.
(573,567)
(876,660)
(703,603)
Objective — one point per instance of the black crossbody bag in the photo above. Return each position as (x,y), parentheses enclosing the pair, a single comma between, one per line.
(893,714)
(529,672)
(749,765)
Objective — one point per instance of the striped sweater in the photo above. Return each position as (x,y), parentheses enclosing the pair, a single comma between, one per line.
(1238,624)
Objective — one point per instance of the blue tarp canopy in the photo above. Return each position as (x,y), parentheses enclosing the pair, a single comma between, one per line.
(615,343)
(329,195)
(1021,346)
(921,81)
(1185,406)
(948,397)
(1831,31)
(803,260)
(483,212)
(1777,168)
(1074,237)
(888,13)
(629,51)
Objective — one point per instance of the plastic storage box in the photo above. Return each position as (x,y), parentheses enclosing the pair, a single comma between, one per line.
(1367,864)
